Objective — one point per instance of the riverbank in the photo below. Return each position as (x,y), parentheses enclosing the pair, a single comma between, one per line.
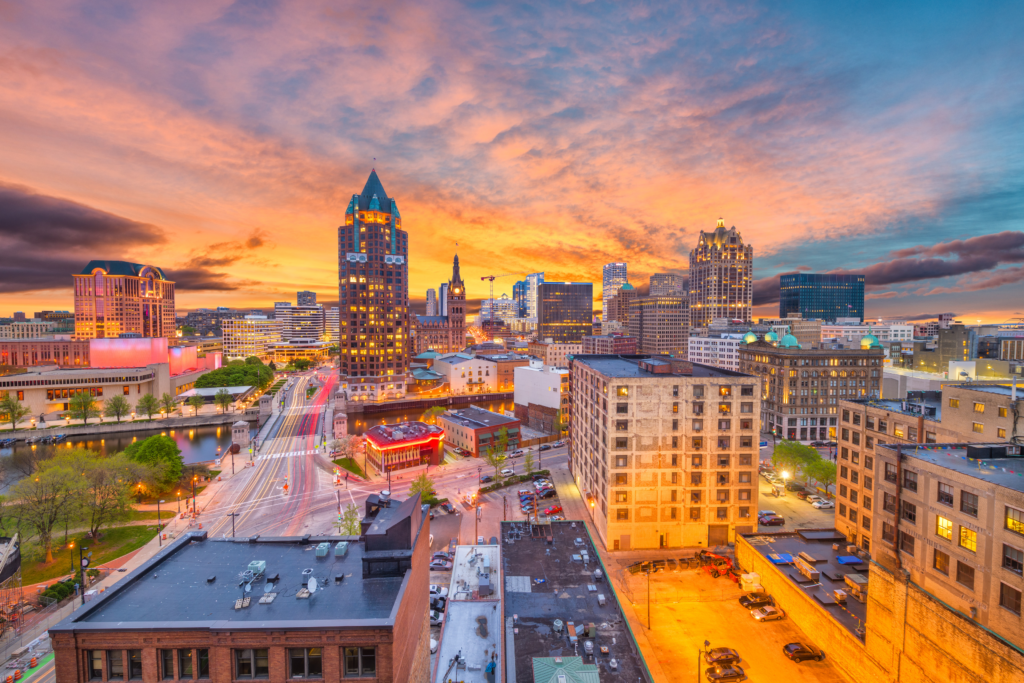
(126,425)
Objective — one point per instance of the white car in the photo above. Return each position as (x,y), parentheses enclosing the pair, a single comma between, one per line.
(436,618)
(437,591)
(767,613)
(823,504)
(507,472)
(433,646)
(813,499)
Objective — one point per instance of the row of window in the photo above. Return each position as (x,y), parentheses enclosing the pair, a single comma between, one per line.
(696,460)
(722,496)
(248,663)
(698,390)
(623,514)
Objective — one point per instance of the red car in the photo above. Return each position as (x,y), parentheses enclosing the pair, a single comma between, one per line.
(553,510)
(772,520)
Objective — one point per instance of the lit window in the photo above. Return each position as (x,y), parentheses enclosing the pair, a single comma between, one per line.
(944,528)
(969,539)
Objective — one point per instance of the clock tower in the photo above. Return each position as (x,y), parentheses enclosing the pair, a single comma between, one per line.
(456,309)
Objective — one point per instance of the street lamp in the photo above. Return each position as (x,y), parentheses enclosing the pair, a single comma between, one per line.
(159,529)
(179,501)
(71,556)
(707,644)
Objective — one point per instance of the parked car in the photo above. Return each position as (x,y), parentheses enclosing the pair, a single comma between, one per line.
(725,673)
(794,486)
(436,618)
(556,518)
(813,498)
(766,513)
(433,646)
(673,566)
(438,604)
(540,477)
(816,444)
(755,600)
(550,493)
(823,504)
(507,472)
(767,613)
(553,510)
(772,520)
(544,447)
(721,656)
(448,507)
(558,444)
(440,555)
(486,479)
(437,591)
(800,652)
(440,565)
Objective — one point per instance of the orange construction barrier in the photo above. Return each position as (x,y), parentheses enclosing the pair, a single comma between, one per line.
(32,663)
(200,525)
(10,678)
(218,477)
(17,674)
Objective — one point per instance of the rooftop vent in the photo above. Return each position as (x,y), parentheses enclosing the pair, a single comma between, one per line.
(322,549)
(257,567)
(341,549)
(306,573)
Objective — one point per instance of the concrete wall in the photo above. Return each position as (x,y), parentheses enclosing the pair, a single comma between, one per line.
(538,385)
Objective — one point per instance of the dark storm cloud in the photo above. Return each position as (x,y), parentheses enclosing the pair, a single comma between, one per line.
(46,239)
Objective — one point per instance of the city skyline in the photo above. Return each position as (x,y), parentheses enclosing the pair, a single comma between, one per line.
(825,139)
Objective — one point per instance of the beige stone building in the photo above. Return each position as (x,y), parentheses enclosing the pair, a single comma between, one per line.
(952,516)
(660,324)
(554,353)
(806,330)
(981,412)
(252,335)
(664,451)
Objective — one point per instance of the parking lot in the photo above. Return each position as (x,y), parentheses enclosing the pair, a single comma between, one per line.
(797,513)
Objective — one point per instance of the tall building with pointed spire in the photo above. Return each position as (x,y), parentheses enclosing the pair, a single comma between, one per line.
(373,293)
(445,333)
(721,277)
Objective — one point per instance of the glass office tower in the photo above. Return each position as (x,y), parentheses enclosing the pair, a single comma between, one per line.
(565,311)
(822,295)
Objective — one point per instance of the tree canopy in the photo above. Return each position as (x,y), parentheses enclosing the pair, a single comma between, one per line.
(243,374)
(162,455)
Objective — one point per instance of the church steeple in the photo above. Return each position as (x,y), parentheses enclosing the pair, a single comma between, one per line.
(456,281)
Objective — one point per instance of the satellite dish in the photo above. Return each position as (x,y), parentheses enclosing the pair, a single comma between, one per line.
(248,587)
(311,586)
(267,587)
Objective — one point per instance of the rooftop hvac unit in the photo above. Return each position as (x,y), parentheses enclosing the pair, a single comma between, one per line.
(257,567)
(341,549)
(321,550)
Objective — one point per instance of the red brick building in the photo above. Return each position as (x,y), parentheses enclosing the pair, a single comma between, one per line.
(185,614)
(610,344)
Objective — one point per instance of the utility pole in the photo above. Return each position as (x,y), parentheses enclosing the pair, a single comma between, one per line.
(159,527)
(232,515)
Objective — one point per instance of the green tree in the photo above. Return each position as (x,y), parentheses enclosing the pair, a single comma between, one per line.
(223,399)
(253,360)
(82,406)
(187,331)
(528,463)
(168,403)
(196,402)
(349,524)
(496,454)
(12,409)
(793,456)
(45,497)
(302,364)
(117,406)
(148,404)
(105,494)
(162,456)
(431,414)
(272,365)
(561,424)
(822,472)
(237,374)
(422,485)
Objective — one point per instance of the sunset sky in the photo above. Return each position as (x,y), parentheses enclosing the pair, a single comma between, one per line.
(222,141)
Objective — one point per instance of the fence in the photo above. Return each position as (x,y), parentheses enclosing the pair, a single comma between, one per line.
(43,620)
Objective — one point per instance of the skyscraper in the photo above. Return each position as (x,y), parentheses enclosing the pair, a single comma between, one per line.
(660,324)
(666,284)
(533,282)
(822,295)
(565,311)
(431,302)
(373,291)
(519,293)
(305,298)
(442,299)
(612,278)
(721,282)
(301,322)
(116,297)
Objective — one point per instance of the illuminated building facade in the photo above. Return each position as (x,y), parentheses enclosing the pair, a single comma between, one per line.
(301,322)
(826,296)
(660,324)
(408,444)
(445,333)
(613,276)
(250,336)
(373,294)
(565,311)
(666,284)
(116,297)
(721,277)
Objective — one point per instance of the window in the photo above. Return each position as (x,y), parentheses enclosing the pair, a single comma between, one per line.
(622,425)
(360,661)
(1015,520)
(867,502)
(846,416)
(1009,597)
(954,403)
(854,476)
(945,496)
(940,562)
(890,472)
(723,496)
(695,497)
(910,480)
(883,426)
(944,528)
(745,459)
(1000,432)
(724,443)
(698,408)
(167,664)
(1002,411)
(853,495)
(979,407)
(203,657)
(744,513)
(622,514)
(853,515)
(842,490)
(675,425)
(723,513)
(675,407)
(906,543)
(694,514)
(747,391)
(622,408)
(888,532)
(96,665)
(184,663)
(869,463)
(115,664)
(1013,559)
(725,409)
(698,391)
(675,442)
(697,461)
(620,461)
(306,662)
(622,480)
(695,478)
(969,503)
(621,442)
(969,539)
(746,408)
(723,460)
(622,391)
(978,427)
(252,664)
(744,477)
(698,425)
(842,509)
(909,512)
(870,423)
(844,472)
(889,502)
(621,497)
(965,574)
(725,390)
(866,523)
(724,425)
(744,494)
(134,664)
(856,419)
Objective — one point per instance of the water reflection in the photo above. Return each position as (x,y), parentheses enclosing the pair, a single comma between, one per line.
(359,423)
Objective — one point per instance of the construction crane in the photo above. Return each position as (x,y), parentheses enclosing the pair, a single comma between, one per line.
(492,278)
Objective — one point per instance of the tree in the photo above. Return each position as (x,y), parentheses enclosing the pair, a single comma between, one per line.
(12,409)
(793,456)
(272,366)
(82,406)
(561,424)
(45,497)
(433,412)
(422,485)
(196,402)
(148,404)
(117,406)
(168,403)
(302,364)
(237,373)
(105,495)
(349,522)
(253,360)
(495,454)
(528,463)
(223,399)
(162,455)
(188,331)
(822,472)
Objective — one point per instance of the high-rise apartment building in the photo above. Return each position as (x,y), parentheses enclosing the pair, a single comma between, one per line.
(503,308)
(666,284)
(825,296)
(250,336)
(721,277)
(720,350)
(373,294)
(305,298)
(660,324)
(301,322)
(432,302)
(445,333)
(333,317)
(613,276)
(533,283)
(565,311)
(801,388)
(116,297)
(519,292)
(664,451)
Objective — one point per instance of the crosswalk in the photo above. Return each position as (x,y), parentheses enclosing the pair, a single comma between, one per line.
(292,454)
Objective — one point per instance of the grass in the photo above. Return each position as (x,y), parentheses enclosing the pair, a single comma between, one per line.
(113,544)
(350,465)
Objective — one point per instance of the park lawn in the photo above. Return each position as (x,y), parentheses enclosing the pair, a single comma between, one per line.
(166,512)
(350,465)
(114,543)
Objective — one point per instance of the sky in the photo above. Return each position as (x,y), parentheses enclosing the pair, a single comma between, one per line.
(222,141)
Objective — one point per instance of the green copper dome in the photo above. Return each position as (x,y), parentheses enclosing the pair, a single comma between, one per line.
(626,286)
(788,341)
(771,338)
(749,337)
(870,341)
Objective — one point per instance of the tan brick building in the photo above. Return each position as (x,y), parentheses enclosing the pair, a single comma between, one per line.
(981,412)
(184,615)
(663,450)
(554,353)
(660,324)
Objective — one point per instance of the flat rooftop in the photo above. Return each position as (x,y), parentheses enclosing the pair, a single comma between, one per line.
(386,436)
(472,630)
(910,407)
(173,590)
(818,545)
(475,418)
(472,563)
(999,389)
(548,581)
(966,459)
(629,366)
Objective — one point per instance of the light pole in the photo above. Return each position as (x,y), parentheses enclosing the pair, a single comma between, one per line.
(179,501)
(649,598)
(699,652)
(71,556)
(232,515)
(159,529)
(195,510)
(83,562)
